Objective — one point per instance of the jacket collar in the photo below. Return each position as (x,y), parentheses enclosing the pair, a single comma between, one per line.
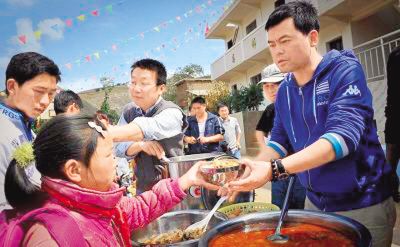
(105,200)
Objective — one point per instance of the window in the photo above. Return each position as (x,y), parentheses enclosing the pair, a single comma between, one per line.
(234,88)
(336,44)
(279,3)
(251,26)
(229,44)
(255,79)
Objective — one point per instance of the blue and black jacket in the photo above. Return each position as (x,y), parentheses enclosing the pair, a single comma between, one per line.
(336,105)
(213,126)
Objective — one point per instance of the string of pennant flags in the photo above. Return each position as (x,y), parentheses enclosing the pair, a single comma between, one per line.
(96,55)
(120,71)
(69,22)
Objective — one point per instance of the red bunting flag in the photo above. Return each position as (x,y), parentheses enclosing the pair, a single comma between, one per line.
(114,47)
(68,22)
(207,29)
(198,9)
(87,58)
(95,12)
(22,39)
(68,65)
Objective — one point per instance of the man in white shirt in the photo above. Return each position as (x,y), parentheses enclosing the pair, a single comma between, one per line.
(232,131)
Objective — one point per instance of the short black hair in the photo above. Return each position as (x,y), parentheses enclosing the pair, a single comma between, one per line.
(65,98)
(199,100)
(304,15)
(27,65)
(221,105)
(153,65)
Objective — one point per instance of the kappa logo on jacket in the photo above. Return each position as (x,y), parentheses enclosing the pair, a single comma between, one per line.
(352,90)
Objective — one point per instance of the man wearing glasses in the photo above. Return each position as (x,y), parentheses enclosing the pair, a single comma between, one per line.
(155,125)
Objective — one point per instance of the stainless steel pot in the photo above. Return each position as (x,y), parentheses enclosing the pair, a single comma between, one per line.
(269,220)
(180,165)
(175,220)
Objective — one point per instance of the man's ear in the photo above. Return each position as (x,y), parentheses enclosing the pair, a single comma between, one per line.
(11,85)
(314,38)
(73,171)
(72,108)
(163,88)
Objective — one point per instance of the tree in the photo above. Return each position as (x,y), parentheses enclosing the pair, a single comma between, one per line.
(170,93)
(252,96)
(218,93)
(246,98)
(189,71)
(108,85)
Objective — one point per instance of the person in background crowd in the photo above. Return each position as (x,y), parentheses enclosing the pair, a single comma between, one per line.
(271,77)
(205,129)
(392,131)
(67,102)
(31,84)
(324,115)
(77,202)
(154,125)
(232,131)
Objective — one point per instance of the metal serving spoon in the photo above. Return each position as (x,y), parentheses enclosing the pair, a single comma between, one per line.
(277,237)
(204,222)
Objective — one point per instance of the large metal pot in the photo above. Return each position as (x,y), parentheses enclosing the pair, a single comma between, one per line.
(269,220)
(175,220)
(180,165)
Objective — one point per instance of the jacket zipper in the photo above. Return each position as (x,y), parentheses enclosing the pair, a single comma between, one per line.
(117,234)
(308,128)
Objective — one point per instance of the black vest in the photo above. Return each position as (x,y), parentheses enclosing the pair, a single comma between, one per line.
(148,167)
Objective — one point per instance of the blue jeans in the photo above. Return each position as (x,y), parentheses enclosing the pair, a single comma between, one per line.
(297,197)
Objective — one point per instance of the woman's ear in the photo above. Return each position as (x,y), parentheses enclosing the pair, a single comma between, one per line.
(73,171)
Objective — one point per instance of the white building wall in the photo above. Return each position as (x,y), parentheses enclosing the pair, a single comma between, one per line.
(333,31)
(266,9)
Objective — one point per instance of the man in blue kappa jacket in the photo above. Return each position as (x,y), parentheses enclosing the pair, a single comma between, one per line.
(324,114)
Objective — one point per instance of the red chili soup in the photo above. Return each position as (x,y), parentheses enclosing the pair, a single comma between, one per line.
(301,235)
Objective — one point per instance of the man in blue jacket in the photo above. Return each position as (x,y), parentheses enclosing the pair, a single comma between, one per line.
(205,129)
(324,113)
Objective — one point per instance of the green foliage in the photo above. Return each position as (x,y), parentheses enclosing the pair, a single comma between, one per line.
(252,97)
(170,93)
(108,85)
(111,113)
(218,93)
(189,71)
(37,125)
(246,98)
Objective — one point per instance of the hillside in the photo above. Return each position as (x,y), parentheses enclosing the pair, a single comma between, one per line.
(119,97)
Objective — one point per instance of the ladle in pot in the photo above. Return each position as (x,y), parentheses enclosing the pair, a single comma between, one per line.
(277,237)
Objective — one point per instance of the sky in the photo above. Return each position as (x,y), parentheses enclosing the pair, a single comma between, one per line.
(89,39)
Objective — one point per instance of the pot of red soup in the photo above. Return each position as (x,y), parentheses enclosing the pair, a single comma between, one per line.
(303,227)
